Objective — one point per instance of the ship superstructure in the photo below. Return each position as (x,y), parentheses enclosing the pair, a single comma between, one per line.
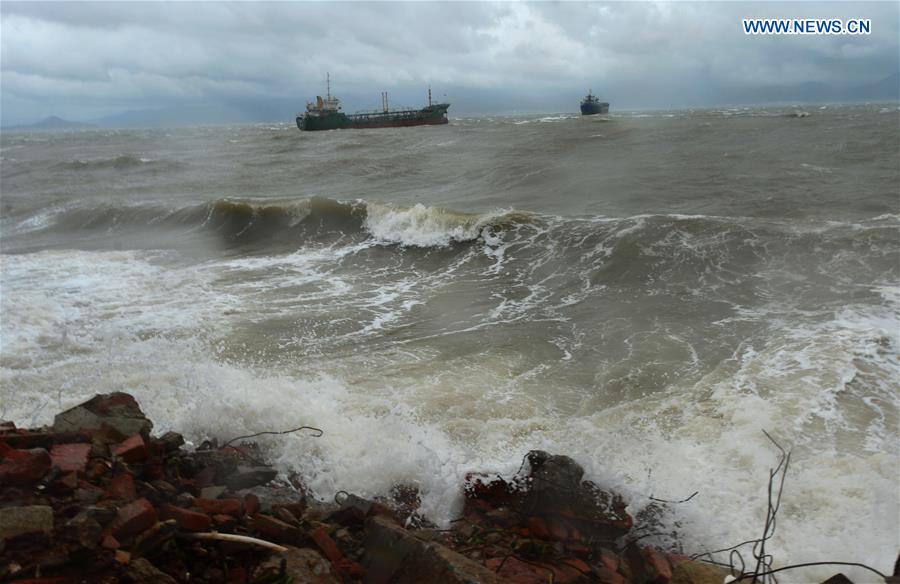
(592,105)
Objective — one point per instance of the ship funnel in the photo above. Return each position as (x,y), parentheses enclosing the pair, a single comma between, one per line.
(319,103)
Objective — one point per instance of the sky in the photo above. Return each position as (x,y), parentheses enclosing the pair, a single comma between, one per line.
(262,60)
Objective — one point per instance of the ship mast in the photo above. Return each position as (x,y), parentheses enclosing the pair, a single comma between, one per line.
(328,85)
(429,95)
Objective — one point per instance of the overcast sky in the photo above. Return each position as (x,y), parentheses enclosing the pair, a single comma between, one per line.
(84,60)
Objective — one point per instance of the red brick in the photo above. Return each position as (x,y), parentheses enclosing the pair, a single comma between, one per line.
(579,548)
(67,482)
(134,449)
(565,573)
(609,561)
(223,520)
(116,402)
(607,576)
(659,566)
(122,487)
(70,457)
(24,439)
(354,569)
(285,515)
(251,504)
(219,506)
(99,468)
(82,484)
(558,529)
(134,518)
(519,572)
(187,519)
(538,527)
(579,565)
(275,529)
(154,470)
(23,467)
(327,545)
(109,542)
(649,565)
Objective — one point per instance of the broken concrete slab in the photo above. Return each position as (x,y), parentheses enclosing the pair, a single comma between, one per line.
(15,521)
(395,555)
(116,410)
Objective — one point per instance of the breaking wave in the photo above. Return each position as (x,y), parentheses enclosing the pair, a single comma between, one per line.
(423,226)
(121,162)
(292,223)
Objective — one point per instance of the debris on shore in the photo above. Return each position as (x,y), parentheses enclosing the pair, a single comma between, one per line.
(97,498)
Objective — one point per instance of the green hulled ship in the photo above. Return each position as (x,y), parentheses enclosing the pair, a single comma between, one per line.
(326,114)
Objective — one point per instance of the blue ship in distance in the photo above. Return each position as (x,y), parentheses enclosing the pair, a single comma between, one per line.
(592,105)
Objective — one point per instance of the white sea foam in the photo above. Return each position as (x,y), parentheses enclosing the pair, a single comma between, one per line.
(374,439)
(824,383)
(422,226)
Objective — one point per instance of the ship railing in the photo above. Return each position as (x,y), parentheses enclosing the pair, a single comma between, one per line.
(381,112)
(394,115)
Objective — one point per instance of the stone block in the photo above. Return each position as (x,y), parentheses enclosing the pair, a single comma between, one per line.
(117,410)
(395,555)
(249,476)
(15,521)
(301,565)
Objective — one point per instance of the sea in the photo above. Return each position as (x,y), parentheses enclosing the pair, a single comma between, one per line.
(650,293)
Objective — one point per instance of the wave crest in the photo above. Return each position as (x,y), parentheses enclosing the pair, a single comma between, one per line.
(422,226)
(121,162)
(281,224)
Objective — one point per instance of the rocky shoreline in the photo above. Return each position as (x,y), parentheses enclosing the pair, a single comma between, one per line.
(97,498)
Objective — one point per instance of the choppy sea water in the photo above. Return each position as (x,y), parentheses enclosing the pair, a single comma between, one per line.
(646,292)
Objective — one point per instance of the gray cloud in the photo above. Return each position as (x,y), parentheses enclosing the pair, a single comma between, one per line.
(82,59)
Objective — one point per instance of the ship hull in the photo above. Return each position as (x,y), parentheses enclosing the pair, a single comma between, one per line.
(428,116)
(590,109)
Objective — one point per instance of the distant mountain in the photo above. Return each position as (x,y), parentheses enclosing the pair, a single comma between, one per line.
(887,89)
(201,114)
(53,123)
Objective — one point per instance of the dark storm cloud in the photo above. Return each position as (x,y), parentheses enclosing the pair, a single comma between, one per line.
(91,59)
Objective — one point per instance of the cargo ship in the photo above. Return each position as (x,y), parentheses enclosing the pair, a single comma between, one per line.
(326,114)
(591,105)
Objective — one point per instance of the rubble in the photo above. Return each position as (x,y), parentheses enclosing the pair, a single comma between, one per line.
(97,498)
(118,411)
(15,521)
